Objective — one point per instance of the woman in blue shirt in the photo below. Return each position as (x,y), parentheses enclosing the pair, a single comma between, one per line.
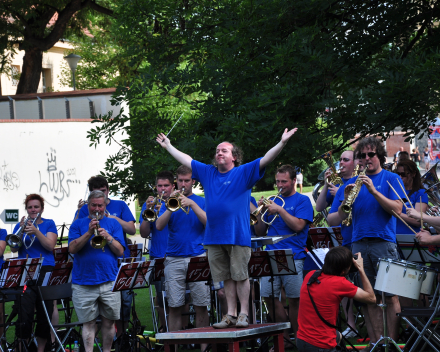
(45,233)
(410,175)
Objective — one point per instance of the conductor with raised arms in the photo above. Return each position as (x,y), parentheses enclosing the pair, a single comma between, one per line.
(228,188)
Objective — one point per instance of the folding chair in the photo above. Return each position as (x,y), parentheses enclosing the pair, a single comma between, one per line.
(51,293)
(422,328)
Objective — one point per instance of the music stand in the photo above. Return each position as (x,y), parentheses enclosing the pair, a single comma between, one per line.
(324,237)
(17,273)
(158,272)
(131,275)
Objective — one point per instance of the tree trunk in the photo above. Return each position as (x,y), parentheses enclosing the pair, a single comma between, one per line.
(31,71)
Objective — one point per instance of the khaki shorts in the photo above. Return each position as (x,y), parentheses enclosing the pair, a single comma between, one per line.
(90,301)
(175,284)
(228,262)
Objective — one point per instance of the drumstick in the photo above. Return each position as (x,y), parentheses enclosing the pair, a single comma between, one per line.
(404,192)
(397,216)
(397,194)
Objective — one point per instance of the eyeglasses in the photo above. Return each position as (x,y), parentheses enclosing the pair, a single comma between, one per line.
(370,155)
(346,160)
(402,174)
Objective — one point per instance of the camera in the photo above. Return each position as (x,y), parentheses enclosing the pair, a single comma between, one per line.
(354,268)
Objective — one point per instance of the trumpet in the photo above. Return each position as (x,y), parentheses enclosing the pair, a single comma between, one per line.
(266,201)
(151,214)
(173,203)
(14,240)
(98,241)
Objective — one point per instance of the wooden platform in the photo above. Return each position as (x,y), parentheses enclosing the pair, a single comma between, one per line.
(231,336)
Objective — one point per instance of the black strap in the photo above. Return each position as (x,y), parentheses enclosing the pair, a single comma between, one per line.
(314,278)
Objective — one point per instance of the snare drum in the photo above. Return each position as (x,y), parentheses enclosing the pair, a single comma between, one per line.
(399,277)
(428,282)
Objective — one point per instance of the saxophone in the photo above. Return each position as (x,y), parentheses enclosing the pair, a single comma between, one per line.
(347,207)
(334,177)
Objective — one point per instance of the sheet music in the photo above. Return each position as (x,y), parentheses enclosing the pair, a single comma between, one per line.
(320,254)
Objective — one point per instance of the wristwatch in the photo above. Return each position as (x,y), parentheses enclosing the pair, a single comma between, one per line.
(111,240)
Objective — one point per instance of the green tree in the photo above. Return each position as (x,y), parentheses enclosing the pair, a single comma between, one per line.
(247,69)
(35,27)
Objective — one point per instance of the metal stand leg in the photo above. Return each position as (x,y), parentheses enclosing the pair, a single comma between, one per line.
(385,338)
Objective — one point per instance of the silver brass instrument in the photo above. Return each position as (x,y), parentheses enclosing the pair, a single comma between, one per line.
(347,207)
(151,213)
(98,241)
(266,201)
(16,239)
(173,203)
(431,184)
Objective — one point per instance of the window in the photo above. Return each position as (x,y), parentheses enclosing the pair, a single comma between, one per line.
(15,75)
(47,80)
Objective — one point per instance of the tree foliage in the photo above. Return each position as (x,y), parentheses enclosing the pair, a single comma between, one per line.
(243,70)
(36,25)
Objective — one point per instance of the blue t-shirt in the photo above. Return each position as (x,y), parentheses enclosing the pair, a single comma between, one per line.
(227,201)
(299,206)
(186,232)
(159,239)
(346,231)
(401,228)
(93,266)
(36,249)
(369,218)
(3,235)
(329,197)
(116,208)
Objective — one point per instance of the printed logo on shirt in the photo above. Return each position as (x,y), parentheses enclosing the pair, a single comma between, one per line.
(378,187)
(226,183)
(291,208)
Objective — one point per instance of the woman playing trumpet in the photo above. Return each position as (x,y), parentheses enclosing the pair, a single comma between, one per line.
(45,233)
(410,175)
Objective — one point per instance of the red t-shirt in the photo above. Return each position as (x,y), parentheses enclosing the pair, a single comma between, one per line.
(327,296)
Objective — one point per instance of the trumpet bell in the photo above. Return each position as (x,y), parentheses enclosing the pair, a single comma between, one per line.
(149,215)
(98,242)
(14,241)
(173,204)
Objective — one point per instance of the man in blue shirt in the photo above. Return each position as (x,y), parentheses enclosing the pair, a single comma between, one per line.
(158,239)
(185,237)
(294,217)
(374,227)
(94,271)
(118,210)
(228,186)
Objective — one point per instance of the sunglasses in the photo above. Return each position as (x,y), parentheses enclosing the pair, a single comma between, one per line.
(370,155)
(402,174)
(344,159)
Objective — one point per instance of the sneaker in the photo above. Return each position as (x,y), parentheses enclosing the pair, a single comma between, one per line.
(349,333)
(227,322)
(242,321)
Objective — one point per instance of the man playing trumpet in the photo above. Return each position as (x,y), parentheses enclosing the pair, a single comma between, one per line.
(185,237)
(94,271)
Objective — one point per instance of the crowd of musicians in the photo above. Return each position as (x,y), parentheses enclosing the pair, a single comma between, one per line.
(218,226)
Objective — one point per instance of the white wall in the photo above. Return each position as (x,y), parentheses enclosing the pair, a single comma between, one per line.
(50,158)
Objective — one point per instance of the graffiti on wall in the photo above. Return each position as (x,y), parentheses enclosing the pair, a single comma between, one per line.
(55,183)
(10,178)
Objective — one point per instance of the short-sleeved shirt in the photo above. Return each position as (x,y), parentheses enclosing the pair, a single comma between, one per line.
(346,231)
(37,249)
(227,201)
(159,239)
(327,296)
(94,266)
(186,232)
(297,205)
(116,208)
(369,218)
(3,234)
(329,197)
(401,228)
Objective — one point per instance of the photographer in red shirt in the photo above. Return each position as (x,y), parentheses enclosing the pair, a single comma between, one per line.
(320,296)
